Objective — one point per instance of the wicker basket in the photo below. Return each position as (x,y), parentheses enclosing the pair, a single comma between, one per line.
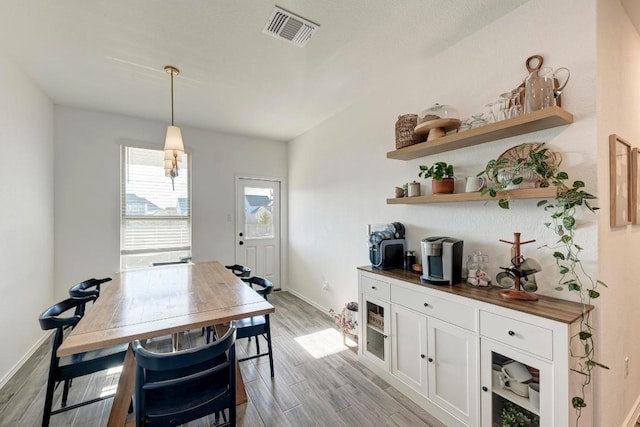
(375,319)
(404,131)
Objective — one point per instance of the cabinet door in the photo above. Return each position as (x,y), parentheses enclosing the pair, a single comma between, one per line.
(500,399)
(452,369)
(409,347)
(375,330)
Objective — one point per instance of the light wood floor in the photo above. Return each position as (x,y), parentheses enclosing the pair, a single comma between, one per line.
(331,390)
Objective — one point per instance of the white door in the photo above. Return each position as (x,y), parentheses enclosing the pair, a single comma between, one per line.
(258,227)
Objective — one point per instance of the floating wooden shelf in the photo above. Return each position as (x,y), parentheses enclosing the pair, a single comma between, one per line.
(524,193)
(538,120)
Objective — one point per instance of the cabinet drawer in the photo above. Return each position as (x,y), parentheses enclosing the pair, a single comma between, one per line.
(522,335)
(452,312)
(376,288)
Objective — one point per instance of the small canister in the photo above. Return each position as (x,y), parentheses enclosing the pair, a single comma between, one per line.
(409,260)
(414,189)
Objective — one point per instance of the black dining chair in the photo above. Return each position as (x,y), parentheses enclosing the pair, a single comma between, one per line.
(239,270)
(63,369)
(257,325)
(84,289)
(182,386)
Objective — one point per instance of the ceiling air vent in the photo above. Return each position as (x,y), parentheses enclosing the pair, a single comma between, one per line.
(289,27)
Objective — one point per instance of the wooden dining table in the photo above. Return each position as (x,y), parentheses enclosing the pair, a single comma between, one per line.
(160,301)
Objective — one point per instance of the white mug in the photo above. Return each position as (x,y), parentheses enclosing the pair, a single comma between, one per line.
(473,184)
(521,389)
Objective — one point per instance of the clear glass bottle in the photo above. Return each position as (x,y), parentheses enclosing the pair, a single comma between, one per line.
(477,266)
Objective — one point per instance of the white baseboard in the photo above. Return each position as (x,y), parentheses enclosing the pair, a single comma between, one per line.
(24,359)
(633,416)
(307,300)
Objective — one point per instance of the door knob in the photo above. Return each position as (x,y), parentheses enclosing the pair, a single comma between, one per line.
(422,356)
(484,388)
(241,243)
(241,234)
(430,359)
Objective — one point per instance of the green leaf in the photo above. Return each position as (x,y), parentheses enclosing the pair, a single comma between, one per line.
(517,180)
(492,192)
(565,239)
(558,255)
(593,294)
(578,402)
(578,184)
(559,288)
(569,222)
(503,203)
(574,287)
(584,335)
(562,175)
(578,247)
(547,224)
(600,282)
(541,203)
(564,270)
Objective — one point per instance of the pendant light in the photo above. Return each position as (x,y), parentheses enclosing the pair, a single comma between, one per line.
(173,145)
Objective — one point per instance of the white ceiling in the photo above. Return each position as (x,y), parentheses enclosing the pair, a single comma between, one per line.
(108,55)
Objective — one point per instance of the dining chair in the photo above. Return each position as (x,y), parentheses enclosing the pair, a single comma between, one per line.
(179,387)
(63,369)
(257,326)
(83,289)
(239,270)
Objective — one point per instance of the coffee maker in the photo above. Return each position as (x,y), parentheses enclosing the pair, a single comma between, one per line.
(387,246)
(441,261)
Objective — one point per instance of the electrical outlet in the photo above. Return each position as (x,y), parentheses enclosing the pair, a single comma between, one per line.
(626,366)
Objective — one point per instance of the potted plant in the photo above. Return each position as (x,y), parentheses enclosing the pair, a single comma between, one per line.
(514,416)
(441,175)
(570,197)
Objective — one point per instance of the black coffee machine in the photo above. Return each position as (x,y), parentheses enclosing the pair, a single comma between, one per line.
(441,261)
(387,247)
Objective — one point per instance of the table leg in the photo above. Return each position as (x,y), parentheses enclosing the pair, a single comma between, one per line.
(122,398)
(241,393)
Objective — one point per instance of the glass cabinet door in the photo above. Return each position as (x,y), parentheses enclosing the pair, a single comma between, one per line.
(515,388)
(376,331)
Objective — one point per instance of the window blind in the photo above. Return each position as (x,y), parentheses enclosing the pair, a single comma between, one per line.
(155,220)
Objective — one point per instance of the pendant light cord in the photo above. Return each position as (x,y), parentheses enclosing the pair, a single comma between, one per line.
(171,97)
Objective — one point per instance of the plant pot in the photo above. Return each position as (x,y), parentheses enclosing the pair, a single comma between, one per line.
(444,186)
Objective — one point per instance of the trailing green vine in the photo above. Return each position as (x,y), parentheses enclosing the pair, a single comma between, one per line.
(570,197)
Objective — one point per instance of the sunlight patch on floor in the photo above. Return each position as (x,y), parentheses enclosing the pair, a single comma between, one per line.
(324,343)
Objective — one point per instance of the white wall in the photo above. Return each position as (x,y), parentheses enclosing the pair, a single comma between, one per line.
(26,214)
(87,171)
(339,176)
(618,112)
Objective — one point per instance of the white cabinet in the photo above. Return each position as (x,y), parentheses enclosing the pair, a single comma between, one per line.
(439,344)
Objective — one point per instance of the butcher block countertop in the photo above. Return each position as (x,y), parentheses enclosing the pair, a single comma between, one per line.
(547,307)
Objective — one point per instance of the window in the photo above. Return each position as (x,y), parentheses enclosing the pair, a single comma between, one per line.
(155,220)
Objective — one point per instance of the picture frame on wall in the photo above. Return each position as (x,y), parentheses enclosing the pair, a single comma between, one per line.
(620,183)
(635,187)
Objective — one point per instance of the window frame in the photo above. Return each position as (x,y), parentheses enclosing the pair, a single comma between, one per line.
(122,206)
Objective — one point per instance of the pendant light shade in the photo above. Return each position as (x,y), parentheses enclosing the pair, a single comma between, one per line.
(173,145)
(173,142)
